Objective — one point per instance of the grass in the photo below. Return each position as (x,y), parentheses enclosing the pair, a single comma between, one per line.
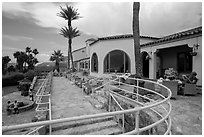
(8,90)
(8,74)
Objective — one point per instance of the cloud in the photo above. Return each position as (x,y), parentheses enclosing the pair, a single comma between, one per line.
(10,49)
(108,18)
(43,57)
(159,19)
(16,38)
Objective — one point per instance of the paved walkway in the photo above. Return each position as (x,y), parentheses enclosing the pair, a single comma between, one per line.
(68,100)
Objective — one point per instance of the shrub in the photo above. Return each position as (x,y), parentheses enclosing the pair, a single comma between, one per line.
(30,74)
(12,80)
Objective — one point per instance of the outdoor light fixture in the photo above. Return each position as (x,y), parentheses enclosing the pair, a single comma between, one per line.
(195,48)
(147,57)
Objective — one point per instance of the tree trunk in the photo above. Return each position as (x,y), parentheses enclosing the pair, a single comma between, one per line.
(70,51)
(68,59)
(57,65)
(136,36)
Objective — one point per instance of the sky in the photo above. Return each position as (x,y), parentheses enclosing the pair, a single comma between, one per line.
(36,24)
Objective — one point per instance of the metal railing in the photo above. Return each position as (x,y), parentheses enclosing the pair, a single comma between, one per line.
(153,107)
(136,110)
(41,94)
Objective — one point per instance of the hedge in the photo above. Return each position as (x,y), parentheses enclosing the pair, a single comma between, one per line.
(12,80)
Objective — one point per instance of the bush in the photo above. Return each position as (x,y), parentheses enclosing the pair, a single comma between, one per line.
(12,80)
(30,74)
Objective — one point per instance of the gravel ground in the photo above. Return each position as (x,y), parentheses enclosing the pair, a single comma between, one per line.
(187,115)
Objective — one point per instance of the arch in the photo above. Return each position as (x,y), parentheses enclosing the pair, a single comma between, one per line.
(116,61)
(145,64)
(94,63)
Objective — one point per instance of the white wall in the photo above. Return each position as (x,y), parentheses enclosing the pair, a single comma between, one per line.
(197,62)
(102,48)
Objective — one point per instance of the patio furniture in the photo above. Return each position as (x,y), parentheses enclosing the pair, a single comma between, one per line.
(172,85)
(190,89)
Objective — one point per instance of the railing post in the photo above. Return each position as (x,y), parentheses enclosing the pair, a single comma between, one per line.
(109,105)
(123,120)
(50,117)
(137,88)
(137,119)
(119,80)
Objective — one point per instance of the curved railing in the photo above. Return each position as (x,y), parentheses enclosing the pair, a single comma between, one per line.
(161,108)
(163,105)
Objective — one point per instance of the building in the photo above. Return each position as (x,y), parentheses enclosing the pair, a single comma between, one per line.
(181,51)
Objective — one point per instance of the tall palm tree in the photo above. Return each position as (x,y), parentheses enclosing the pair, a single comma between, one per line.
(70,33)
(136,36)
(69,14)
(57,57)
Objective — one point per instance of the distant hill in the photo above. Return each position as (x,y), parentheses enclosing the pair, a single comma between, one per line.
(48,66)
(11,64)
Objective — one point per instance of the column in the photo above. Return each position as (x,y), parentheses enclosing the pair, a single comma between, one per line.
(153,65)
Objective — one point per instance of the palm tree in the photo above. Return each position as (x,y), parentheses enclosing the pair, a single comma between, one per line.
(57,57)
(35,52)
(69,14)
(21,58)
(28,50)
(70,33)
(136,36)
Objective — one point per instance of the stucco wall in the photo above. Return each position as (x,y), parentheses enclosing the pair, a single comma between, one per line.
(79,54)
(102,48)
(197,62)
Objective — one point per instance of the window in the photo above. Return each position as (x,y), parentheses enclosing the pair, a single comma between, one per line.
(184,62)
(117,61)
(94,63)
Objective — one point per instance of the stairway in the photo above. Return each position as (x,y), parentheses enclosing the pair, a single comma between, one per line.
(99,126)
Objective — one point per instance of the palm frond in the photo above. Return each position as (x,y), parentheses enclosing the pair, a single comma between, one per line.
(69,13)
(69,32)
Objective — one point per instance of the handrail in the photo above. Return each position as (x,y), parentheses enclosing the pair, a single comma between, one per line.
(133,110)
(116,101)
(40,94)
(35,130)
(123,117)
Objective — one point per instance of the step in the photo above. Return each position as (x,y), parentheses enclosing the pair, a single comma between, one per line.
(93,128)
(94,102)
(80,123)
(108,131)
(100,99)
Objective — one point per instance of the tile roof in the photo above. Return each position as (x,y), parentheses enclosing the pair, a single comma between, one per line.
(177,36)
(121,37)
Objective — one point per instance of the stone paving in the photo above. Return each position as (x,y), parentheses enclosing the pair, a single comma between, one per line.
(68,100)
(187,115)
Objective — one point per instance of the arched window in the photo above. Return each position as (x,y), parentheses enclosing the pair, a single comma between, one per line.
(94,63)
(117,61)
